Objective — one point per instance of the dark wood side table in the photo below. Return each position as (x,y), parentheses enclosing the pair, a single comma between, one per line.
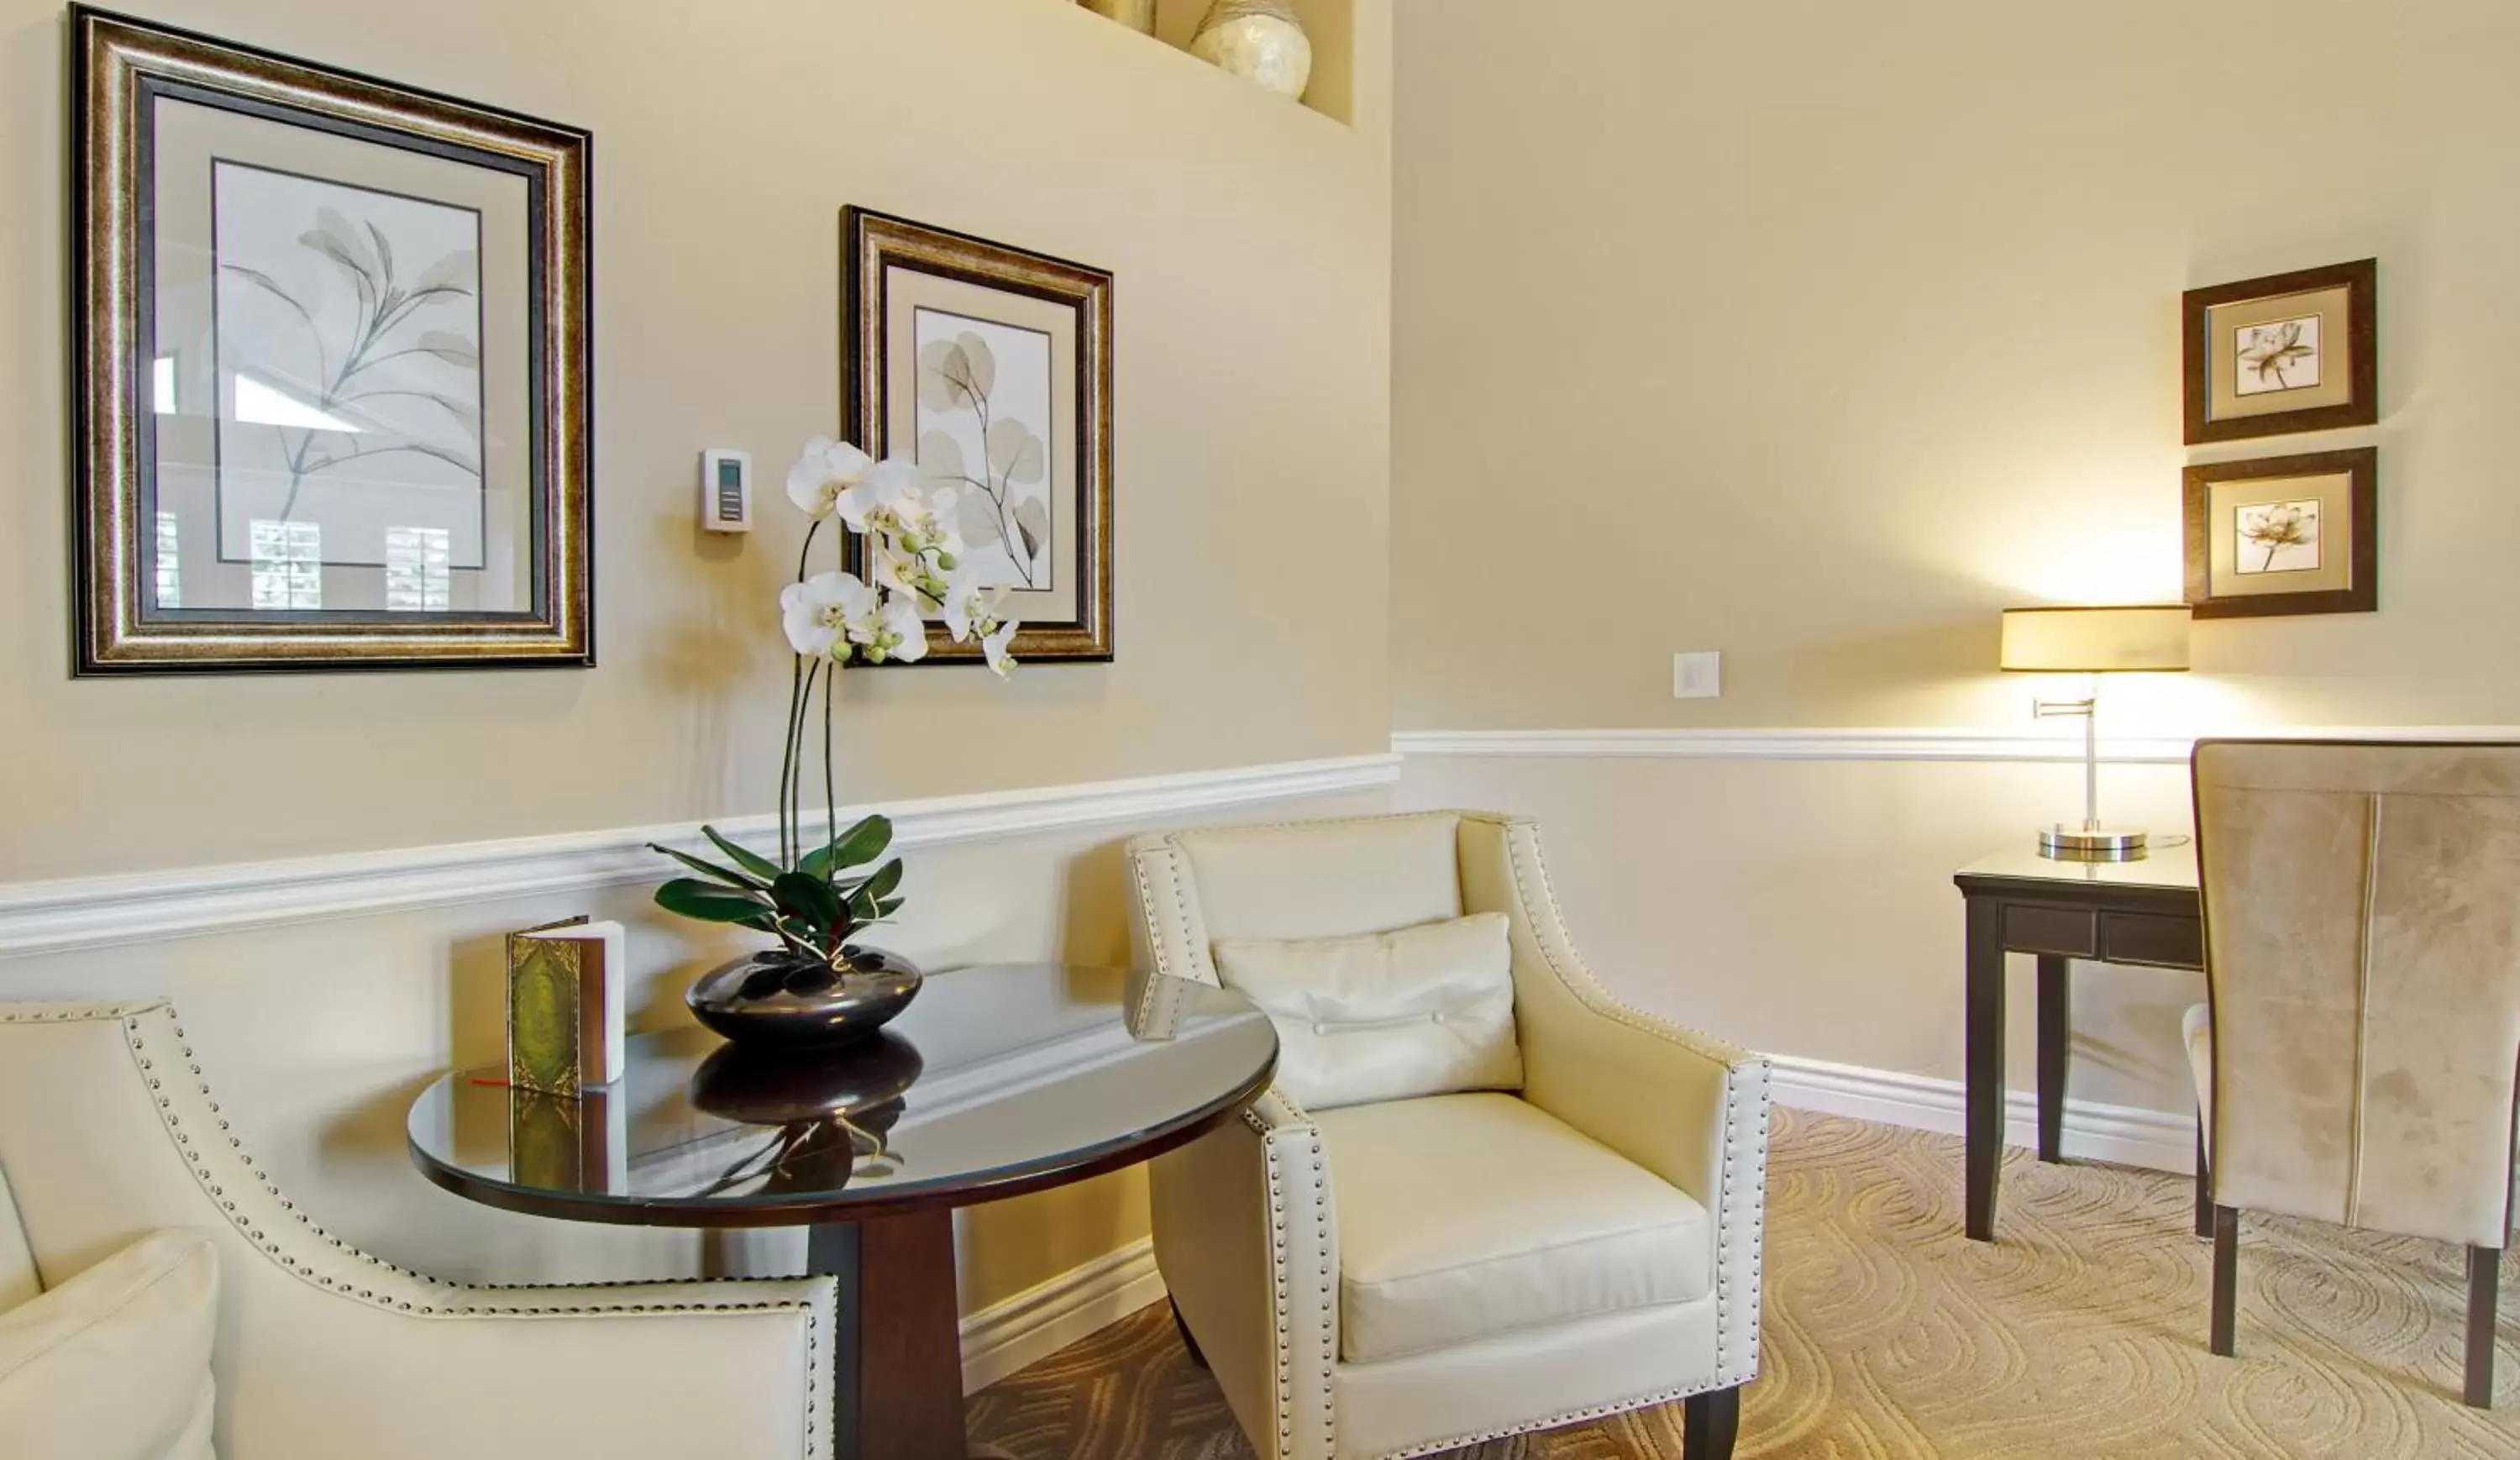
(2145,911)
(996,1081)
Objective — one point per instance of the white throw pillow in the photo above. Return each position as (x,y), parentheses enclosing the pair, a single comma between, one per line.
(1385,1016)
(115,1364)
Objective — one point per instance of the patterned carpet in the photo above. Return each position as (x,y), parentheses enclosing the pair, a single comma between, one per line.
(2081,1333)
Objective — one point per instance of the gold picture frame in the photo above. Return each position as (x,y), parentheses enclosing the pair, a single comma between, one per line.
(2282,354)
(992,367)
(2284,535)
(331,401)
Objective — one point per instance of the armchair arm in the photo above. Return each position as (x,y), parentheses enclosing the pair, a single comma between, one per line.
(1688,1106)
(1246,1241)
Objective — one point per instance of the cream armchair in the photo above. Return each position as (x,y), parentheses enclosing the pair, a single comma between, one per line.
(1389,1280)
(107,1133)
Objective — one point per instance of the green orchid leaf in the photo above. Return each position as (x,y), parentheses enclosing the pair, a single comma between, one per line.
(888,907)
(863,843)
(689,897)
(806,898)
(866,904)
(711,870)
(749,860)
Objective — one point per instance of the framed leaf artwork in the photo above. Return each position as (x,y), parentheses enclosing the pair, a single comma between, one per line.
(2289,352)
(329,403)
(2285,535)
(991,366)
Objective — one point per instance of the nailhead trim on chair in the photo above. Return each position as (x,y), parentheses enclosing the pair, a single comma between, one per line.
(1273,1162)
(130,1015)
(1742,1203)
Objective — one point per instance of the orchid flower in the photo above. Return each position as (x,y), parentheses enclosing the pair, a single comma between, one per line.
(867,503)
(827,613)
(823,471)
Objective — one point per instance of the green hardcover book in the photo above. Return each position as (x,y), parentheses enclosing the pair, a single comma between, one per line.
(565,1006)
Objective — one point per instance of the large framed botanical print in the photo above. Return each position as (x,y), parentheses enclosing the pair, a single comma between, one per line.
(331,353)
(992,367)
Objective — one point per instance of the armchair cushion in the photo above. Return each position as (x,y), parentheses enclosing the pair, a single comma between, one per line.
(1462,1217)
(1385,1016)
(115,1364)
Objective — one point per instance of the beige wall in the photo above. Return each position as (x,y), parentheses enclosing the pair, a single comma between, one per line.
(1817,333)
(1250,243)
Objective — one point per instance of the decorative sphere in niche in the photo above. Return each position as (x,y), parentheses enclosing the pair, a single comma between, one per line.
(1258,40)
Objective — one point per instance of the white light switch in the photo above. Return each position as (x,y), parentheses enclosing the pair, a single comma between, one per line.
(1697,676)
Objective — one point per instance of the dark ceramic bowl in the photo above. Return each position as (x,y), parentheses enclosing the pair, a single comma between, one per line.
(776,1001)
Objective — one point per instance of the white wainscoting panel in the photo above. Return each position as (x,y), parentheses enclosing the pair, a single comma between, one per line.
(44,916)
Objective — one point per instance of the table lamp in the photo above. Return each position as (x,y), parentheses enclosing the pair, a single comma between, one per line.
(2094,640)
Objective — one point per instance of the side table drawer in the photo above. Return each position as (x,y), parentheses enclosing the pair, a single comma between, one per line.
(2144,937)
(2068,930)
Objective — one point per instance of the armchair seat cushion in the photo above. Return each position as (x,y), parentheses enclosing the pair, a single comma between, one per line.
(1461,1217)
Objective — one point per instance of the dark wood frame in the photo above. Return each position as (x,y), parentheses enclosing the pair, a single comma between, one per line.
(871,242)
(2360,281)
(2362,593)
(117,64)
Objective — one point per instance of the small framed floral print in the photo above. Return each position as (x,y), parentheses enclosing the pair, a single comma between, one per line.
(2286,534)
(990,367)
(2289,352)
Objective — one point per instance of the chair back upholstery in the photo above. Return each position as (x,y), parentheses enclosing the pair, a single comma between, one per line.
(1317,879)
(2363,952)
(16,1259)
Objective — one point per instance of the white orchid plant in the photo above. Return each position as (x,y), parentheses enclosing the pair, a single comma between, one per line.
(916,568)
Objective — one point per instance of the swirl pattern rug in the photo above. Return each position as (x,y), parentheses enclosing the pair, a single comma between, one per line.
(2081,1331)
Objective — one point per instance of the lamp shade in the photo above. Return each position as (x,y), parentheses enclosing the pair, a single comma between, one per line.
(2095,641)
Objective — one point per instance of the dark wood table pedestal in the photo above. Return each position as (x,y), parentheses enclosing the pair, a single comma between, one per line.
(2141,912)
(897,1360)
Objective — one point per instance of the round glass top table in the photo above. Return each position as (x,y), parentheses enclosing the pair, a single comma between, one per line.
(995,1081)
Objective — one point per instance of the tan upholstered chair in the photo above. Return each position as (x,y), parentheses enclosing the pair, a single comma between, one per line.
(2362,953)
(1399,1278)
(107,1133)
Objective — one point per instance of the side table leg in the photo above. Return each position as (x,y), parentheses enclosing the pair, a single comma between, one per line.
(1985,1072)
(897,1388)
(2056,1046)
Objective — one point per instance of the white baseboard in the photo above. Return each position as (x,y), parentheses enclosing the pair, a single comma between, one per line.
(2121,1134)
(86,912)
(1038,1322)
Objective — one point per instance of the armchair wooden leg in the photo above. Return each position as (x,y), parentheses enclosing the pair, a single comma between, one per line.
(1709,1423)
(2204,1184)
(1190,1341)
(2226,1277)
(2484,1286)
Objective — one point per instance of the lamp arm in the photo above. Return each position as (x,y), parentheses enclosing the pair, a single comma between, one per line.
(2088,707)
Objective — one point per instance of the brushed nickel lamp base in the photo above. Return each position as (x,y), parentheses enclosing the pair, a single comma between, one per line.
(2091,843)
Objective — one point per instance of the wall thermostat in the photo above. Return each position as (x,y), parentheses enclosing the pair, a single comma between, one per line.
(726,491)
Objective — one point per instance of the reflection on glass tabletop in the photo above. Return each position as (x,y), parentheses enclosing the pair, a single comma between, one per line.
(996,1081)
